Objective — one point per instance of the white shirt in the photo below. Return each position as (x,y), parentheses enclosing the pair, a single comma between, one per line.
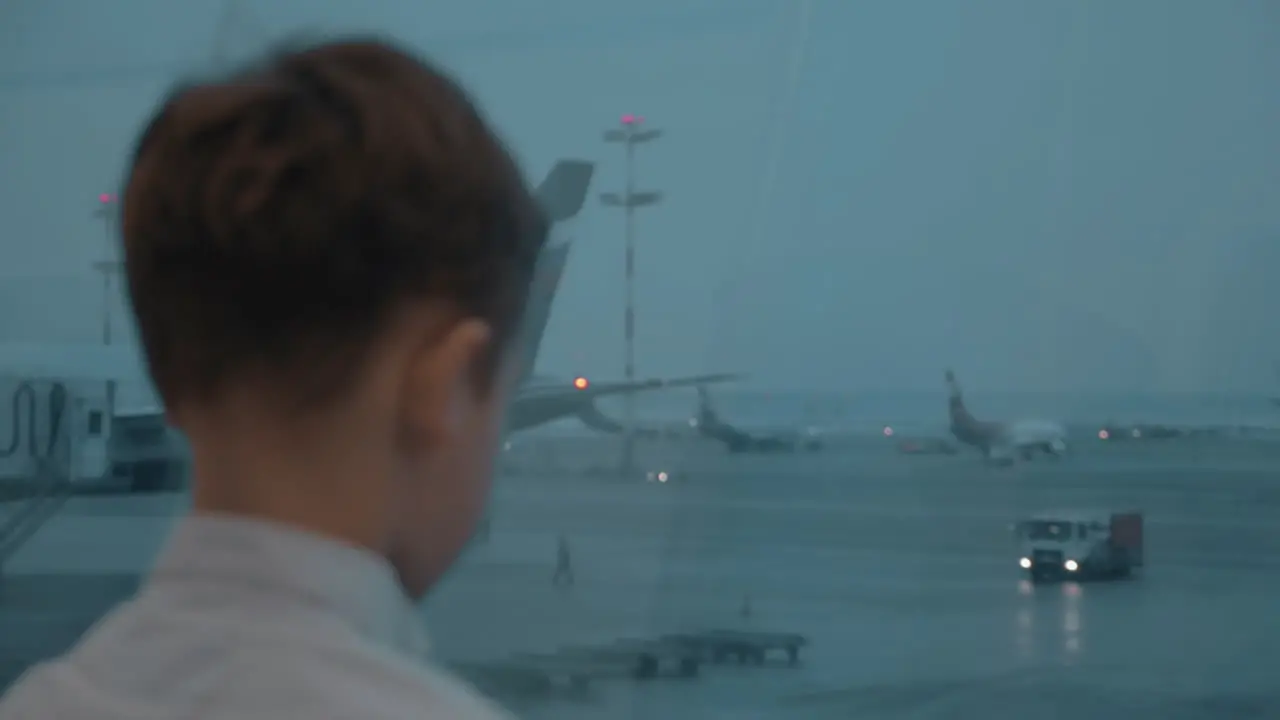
(248,620)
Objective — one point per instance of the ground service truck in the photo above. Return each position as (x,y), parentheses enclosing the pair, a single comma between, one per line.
(1080,545)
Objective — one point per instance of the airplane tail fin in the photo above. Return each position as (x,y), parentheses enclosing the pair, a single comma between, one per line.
(562,195)
(961,418)
(563,192)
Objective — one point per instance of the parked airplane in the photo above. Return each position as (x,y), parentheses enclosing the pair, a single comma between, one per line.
(1003,442)
(562,194)
(710,425)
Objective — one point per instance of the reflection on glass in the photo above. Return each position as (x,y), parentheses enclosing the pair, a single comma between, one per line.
(1074,203)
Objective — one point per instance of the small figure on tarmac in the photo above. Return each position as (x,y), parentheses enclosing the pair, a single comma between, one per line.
(564,563)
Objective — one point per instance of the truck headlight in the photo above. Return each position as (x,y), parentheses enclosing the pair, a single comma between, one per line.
(1071,565)
(1025,563)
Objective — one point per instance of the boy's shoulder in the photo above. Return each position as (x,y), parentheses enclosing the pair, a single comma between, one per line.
(338,673)
(247,676)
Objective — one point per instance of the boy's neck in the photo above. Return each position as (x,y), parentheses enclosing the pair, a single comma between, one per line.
(334,501)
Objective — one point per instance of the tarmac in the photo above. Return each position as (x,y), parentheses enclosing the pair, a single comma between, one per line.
(901,570)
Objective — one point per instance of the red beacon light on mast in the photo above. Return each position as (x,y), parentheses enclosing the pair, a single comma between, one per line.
(107,204)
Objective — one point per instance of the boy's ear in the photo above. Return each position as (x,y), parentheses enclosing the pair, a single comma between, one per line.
(441,389)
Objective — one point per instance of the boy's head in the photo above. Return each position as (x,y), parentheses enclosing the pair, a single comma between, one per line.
(328,254)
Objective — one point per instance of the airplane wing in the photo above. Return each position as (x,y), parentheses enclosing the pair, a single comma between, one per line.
(534,406)
(595,390)
(537,405)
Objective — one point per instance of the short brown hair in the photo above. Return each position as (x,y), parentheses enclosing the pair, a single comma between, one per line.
(275,218)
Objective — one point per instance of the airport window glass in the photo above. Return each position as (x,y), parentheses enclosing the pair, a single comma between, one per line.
(900,287)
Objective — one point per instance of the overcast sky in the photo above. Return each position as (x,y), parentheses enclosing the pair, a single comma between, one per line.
(1064,194)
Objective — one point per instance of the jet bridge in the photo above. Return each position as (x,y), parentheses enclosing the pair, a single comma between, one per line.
(53,420)
(113,443)
(52,437)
